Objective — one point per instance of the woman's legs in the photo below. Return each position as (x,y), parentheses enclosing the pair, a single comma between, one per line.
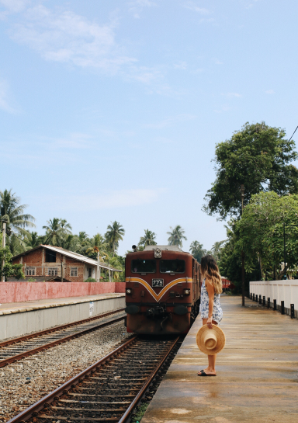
(211,358)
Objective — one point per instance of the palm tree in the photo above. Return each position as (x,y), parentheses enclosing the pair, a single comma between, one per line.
(148,238)
(176,236)
(11,208)
(98,246)
(197,250)
(32,240)
(57,231)
(114,234)
(216,249)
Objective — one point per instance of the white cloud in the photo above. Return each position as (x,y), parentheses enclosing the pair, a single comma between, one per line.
(232,95)
(218,62)
(269,92)
(4,101)
(191,5)
(73,141)
(14,6)
(64,36)
(136,7)
(181,65)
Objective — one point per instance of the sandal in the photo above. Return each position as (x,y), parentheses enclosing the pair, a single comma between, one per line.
(202,373)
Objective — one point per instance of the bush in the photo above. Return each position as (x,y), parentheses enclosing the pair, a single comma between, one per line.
(90,280)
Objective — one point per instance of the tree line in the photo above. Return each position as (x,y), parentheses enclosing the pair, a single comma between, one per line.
(58,232)
(256,190)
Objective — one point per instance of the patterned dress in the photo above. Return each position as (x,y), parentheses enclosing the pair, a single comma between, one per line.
(204,305)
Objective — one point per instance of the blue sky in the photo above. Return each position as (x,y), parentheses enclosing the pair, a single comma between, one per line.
(111,110)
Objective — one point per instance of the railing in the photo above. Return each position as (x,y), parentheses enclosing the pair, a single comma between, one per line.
(280,295)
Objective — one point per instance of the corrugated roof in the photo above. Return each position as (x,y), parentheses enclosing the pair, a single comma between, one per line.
(75,256)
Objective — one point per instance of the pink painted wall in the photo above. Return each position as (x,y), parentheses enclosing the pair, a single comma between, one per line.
(11,292)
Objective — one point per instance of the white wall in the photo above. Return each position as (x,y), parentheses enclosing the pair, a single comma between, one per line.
(284,290)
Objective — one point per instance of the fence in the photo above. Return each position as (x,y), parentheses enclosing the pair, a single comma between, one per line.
(279,295)
(30,291)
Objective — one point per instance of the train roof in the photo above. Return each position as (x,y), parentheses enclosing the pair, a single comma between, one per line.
(163,248)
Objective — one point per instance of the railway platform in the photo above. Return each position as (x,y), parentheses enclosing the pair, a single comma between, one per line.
(257,372)
(22,318)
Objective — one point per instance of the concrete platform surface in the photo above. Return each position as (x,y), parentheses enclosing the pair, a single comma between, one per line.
(17,319)
(21,307)
(257,378)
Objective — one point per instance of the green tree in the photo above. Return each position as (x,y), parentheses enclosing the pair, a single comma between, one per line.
(197,250)
(176,236)
(114,234)
(261,233)
(32,240)
(57,231)
(259,157)
(216,250)
(9,269)
(18,221)
(148,238)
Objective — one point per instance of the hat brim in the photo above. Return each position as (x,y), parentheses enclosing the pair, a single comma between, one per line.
(221,340)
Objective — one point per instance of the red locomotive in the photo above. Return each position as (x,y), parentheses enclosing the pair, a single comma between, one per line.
(162,290)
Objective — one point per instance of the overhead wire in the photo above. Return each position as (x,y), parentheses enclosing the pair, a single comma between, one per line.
(293,133)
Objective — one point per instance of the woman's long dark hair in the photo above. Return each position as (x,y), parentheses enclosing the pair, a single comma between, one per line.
(210,270)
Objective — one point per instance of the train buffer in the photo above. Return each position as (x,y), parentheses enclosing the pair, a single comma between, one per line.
(256,372)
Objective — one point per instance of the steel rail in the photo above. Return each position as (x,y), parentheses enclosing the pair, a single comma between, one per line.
(143,390)
(39,405)
(56,328)
(36,350)
(63,389)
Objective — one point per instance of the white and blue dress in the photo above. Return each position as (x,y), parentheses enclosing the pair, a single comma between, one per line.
(204,305)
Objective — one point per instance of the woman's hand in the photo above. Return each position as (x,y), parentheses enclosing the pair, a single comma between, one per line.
(209,322)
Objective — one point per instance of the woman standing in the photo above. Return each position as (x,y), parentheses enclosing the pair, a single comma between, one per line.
(210,308)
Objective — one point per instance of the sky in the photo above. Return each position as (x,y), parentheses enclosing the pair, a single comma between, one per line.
(111,110)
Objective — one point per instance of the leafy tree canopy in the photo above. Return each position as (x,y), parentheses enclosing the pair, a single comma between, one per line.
(114,234)
(176,236)
(147,239)
(261,231)
(258,157)
(9,269)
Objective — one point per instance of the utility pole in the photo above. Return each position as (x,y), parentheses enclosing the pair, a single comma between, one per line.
(285,267)
(98,267)
(242,252)
(3,244)
(61,268)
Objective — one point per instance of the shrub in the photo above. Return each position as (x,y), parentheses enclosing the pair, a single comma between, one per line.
(90,280)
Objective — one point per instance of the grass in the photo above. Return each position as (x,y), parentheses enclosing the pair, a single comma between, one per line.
(137,417)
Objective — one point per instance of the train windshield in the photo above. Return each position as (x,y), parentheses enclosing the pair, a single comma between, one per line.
(143,266)
(172,266)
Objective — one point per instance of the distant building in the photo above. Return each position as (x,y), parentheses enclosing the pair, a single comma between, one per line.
(46,262)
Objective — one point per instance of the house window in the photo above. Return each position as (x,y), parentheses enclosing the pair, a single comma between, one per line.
(52,271)
(89,272)
(73,271)
(30,271)
(50,256)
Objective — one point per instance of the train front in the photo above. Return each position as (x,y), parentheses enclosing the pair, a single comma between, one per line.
(160,293)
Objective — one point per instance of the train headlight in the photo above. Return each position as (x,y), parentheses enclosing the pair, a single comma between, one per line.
(186,291)
(128,291)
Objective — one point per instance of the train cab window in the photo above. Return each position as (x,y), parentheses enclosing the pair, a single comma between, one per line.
(172,266)
(143,266)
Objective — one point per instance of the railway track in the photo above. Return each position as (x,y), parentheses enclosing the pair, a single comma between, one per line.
(107,391)
(18,348)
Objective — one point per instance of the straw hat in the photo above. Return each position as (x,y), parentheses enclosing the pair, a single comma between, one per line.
(211,341)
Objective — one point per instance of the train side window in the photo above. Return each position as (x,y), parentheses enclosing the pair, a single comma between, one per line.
(143,266)
(172,266)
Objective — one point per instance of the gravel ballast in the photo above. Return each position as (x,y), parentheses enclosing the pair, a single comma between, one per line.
(26,381)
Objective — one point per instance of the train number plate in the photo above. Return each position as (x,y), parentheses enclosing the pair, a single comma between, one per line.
(157,283)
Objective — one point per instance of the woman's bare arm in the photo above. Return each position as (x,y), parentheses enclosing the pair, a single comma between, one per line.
(210,290)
